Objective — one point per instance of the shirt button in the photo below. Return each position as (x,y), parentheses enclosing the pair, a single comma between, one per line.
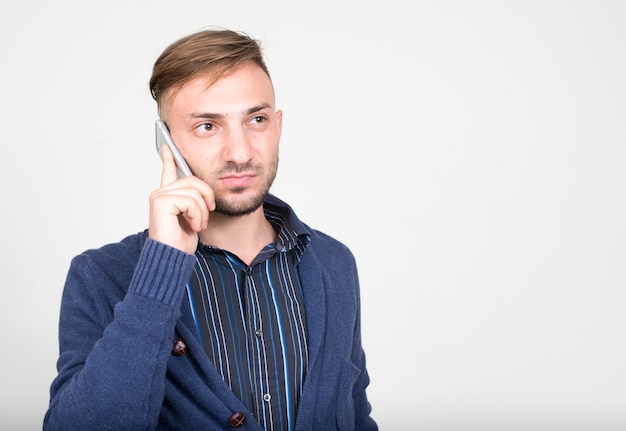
(267,397)
(258,333)
(249,271)
(180,347)
(237,419)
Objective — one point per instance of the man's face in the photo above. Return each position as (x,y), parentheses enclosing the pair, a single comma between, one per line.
(229,134)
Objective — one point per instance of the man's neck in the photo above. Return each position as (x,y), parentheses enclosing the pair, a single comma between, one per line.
(243,236)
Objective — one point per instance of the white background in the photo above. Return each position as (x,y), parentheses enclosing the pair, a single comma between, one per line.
(470,153)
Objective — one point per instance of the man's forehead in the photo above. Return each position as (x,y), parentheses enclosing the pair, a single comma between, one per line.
(240,90)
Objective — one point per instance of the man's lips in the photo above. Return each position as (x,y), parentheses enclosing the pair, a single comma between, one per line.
(238,180)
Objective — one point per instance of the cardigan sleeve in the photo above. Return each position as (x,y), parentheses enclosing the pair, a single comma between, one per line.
(116,330)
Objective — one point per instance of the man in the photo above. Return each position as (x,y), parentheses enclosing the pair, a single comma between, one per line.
(228,311)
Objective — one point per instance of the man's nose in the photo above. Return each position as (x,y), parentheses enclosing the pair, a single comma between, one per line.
(237,146)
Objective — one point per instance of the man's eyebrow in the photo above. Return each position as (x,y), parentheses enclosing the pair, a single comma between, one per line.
(258,108)
(205,115)
(216,116)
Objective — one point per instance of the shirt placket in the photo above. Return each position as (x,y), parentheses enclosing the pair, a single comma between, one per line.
(254,323)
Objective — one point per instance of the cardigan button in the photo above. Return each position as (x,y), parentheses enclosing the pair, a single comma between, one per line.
(180,348)
(237,419)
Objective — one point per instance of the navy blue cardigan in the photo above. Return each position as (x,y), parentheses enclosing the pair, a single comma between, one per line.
(124,305)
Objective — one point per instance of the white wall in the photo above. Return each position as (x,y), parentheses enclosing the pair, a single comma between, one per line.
(471,153)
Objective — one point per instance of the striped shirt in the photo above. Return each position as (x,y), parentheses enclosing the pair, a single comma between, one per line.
(251,319)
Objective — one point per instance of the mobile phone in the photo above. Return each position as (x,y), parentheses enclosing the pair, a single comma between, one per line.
(163,138)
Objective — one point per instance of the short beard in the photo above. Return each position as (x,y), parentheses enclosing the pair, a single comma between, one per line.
(242,208)
(238,209)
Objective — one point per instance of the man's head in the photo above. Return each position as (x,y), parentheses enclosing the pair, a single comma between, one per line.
(216,97)
(211,53)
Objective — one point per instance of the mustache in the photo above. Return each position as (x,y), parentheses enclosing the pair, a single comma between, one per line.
(234,168)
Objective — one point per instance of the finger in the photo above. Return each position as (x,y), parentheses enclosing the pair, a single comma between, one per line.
(189,197)
(168,174)
(206,192)
(209,196)
(176,216)
(205,199)
(196,214)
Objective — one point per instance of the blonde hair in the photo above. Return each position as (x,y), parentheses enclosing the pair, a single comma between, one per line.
(213,53)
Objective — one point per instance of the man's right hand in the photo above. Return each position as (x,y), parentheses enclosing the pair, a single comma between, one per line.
(180,208)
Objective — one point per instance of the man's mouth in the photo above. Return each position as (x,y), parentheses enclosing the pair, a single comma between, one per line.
(237,180)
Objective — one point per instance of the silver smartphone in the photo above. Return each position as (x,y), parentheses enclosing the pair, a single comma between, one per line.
(163,138)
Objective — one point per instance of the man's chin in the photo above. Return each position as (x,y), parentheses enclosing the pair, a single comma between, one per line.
(238,205)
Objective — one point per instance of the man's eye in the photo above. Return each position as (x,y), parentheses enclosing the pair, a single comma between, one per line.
(259,119)
(205,127)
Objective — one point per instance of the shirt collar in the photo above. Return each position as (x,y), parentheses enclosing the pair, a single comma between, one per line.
(291,232)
